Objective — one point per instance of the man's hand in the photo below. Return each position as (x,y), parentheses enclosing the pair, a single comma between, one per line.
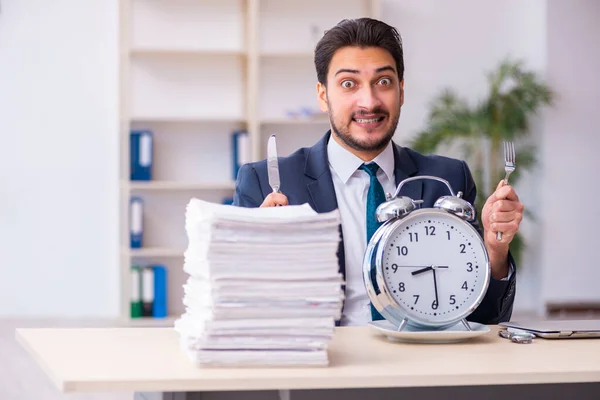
(275,199)
(502,212)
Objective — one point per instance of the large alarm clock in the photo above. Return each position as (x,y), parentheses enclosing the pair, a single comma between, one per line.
(427,268)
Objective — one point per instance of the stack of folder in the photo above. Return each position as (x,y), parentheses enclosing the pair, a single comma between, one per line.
(263,287)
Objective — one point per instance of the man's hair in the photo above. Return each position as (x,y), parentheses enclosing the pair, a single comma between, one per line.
(363,33)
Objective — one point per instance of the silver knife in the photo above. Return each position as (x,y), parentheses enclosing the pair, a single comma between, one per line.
(273,164)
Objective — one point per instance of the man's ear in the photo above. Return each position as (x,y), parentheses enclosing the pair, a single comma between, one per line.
(322,97)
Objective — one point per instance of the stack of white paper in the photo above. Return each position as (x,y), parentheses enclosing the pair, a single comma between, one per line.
(263,286)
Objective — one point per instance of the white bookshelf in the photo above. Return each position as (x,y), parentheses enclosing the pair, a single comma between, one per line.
(179,186)
(163,252)
(183,52)
(149,322)
(295,121)
(286,54)
(192,72)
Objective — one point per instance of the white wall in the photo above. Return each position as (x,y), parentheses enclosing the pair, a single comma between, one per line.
(572,142)
(58,91)
(58,158)
(454,44)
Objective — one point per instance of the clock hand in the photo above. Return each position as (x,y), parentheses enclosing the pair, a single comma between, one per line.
(424,269)
(420,271)
(435,287)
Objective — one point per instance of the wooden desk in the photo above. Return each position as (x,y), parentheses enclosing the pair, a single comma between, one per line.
(150,360)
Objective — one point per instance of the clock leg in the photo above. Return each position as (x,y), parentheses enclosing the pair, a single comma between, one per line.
(466,324)
(402,324)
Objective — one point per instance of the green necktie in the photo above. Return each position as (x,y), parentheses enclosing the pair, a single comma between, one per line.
(375,197)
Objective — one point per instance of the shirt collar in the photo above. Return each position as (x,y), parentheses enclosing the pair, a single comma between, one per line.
(344,163)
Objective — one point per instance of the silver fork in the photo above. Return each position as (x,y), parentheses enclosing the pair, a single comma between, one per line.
(510,163)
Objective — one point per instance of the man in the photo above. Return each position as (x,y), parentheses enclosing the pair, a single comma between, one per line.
(360,71)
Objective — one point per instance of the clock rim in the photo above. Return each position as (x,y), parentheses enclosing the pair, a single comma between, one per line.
(384,302)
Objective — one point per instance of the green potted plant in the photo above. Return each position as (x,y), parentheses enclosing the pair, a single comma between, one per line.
(478,131)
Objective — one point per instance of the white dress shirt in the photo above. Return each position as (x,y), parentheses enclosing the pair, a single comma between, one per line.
(351,186)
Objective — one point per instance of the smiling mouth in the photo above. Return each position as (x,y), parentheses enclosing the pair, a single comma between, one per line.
(369,120)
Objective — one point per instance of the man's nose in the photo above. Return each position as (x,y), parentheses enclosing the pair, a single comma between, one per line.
(368,98)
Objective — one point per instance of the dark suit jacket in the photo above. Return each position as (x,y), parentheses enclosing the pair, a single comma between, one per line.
(306,178)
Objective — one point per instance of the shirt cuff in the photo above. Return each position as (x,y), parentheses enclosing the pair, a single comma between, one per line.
(511,270)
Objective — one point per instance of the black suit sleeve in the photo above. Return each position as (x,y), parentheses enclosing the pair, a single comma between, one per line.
(248,192)
(497,305)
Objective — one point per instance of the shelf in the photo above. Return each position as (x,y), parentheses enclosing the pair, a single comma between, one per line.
(172,185)
(186,52)
(185,24)
(172,86)
(294,121)
(288,54)
(150,321)
(154,252)
(187,119)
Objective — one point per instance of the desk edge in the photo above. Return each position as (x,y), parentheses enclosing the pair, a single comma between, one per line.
(350,382)
(23,340)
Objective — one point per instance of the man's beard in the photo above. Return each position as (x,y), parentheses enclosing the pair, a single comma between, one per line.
(344,133)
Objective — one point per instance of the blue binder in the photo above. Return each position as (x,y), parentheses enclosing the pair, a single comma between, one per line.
(240,146)
(141,152)
(136,222)
(159,308)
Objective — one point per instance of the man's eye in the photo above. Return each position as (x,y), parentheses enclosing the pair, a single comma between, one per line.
(385,81)
(347,84)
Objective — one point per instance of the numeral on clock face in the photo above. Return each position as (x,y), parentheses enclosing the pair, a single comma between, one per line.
(402,251)
(430,230)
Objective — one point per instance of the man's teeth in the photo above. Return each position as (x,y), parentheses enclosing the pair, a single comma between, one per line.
(367,121)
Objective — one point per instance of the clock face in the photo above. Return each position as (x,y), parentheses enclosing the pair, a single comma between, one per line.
(435,266)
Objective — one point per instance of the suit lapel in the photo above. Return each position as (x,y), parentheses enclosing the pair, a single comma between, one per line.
(322,193)
(404,167)
(320,184)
